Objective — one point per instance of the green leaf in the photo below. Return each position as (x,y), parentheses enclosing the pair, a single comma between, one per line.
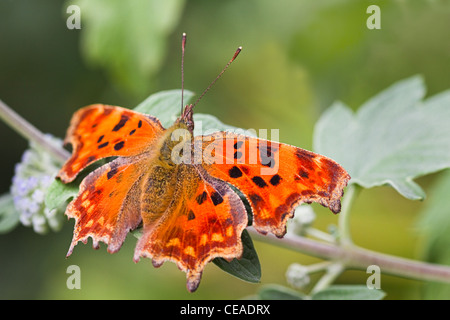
(434,225)
(9,217)
(207,124)
(128,38)
(349,292)
(165,105)
(248,267)
(392,139)
(278,292)
(59,193)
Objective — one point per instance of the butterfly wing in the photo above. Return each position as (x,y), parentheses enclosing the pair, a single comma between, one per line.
(107,205)
(99,131)
(274,177)
(203,221)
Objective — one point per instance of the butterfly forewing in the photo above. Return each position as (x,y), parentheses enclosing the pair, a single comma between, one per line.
(273,176)
(100,131)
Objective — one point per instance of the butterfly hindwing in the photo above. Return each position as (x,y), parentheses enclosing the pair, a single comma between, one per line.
(204,220)
(107,205)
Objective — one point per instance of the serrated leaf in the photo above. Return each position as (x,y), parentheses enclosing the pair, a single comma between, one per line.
(248,267)
(165,105)
(59,193)
(9,217)
(278,292)
(349,292)
(392,139)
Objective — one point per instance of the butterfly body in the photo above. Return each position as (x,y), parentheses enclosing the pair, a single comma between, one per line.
(179,187)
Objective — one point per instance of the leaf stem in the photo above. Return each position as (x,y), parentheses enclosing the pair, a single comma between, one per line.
(354,257)
(344,233)
(333,271)
(29,132)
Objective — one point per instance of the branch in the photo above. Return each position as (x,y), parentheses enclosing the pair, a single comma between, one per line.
(29,132)
(354,257)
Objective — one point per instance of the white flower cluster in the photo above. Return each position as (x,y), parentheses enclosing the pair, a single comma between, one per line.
(33,175)
(304,217)
(297,276)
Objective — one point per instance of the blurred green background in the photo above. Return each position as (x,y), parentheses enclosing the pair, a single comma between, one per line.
(299,56)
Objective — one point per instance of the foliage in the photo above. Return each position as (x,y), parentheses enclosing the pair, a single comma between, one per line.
(9,216)
(335,292)
(128,39)
(435,223)
(392,139)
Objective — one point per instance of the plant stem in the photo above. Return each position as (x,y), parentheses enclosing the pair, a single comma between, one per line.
(344,235)
(354,257)
(333,271)
(29,132)
(319,234)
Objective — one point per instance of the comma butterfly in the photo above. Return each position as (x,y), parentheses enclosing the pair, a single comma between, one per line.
(179,187)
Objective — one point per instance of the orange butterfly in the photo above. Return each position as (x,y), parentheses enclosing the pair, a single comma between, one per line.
(179,186)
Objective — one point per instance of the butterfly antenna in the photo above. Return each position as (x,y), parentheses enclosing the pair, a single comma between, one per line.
(220,74)
(183,45)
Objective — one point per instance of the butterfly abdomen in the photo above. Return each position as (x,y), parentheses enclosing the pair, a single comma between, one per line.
(158,192)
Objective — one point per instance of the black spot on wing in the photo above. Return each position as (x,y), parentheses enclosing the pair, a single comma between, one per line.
(103,145)
(216,198)
(259,181)
(237,155)
(275,180)
(303,174)
(111,172)
(238,144)
(266,155)
(121,123)
(201,197)
(235,172)
(119,145)
(255,199)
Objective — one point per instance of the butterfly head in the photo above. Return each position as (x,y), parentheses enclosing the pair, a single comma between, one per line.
(187,117)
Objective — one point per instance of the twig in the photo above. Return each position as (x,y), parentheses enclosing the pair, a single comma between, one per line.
(354,257)
(29,132)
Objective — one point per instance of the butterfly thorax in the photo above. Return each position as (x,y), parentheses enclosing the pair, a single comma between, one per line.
(164,172)
(175,140)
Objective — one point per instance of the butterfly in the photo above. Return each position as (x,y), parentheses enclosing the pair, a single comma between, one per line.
(181,188)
